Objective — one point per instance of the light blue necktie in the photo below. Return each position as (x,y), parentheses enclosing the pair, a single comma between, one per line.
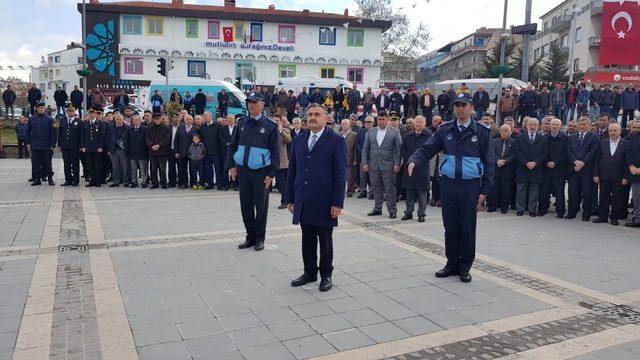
(314,139)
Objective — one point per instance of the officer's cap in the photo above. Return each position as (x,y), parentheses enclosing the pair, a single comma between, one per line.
(464,98)
(97,108)
(254,97)
(71,108)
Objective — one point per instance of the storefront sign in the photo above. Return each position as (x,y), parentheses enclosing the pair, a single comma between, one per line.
(612,77)
(248,46)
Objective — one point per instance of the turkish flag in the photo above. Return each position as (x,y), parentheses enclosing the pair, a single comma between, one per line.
(228,34)
(620,37)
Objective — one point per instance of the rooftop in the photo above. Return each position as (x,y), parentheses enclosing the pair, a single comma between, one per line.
(231,12)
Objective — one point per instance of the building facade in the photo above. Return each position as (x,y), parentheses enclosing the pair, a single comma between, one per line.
(228,42)
(58,69)
(465,57)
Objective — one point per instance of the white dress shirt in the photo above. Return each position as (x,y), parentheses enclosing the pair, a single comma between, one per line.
(174,130)
(380,136)
(318,135)
(613,145)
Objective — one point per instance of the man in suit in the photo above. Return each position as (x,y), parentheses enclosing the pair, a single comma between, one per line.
(364,176)
(158,138)
(226,134)
(410,104)
(92,144)
(582,152)
(427,103)
(174,155)
(633,162)
(531,154)
(138,152)
(69,132)
(183,140)
(504,149)
(116,149)
(554,172)
(213,160)
(603,126)
(315,193)
(612,174)
(382,101)
(417,186)
(352,163)
(381,159)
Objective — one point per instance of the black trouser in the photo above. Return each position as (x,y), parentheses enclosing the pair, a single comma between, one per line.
(158,166)
(199,110)
(311,236)
(580,189)
(435,188)
(254,201)
(95,167)
(32,108)
(500,196)
(626,192)
(281,182)
(173,167)
(626,114)
(41,163)
(552,185)
(222,110)
(106,166)
(71,159)
(183,172)
(195,170)
(611,195)
(22,149)
(85,166)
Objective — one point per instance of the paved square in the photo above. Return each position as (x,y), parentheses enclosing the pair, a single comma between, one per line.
(151,274)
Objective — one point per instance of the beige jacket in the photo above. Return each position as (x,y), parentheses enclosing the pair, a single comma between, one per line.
(284,138)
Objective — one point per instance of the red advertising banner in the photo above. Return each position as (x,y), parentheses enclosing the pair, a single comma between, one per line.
(620,33)
(613,77)
(228,34)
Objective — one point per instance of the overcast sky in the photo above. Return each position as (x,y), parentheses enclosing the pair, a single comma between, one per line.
(33,28)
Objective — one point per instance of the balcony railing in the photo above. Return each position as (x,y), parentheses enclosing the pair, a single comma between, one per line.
(561,23)
(594,41)
(596,7)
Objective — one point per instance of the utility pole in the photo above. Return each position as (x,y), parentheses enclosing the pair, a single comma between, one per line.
(503,40)
(84,57)
(525,44)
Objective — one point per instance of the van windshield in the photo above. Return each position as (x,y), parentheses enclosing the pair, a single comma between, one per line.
(236,99)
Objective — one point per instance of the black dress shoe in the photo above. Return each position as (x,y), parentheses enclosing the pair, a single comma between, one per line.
(97,185)
(144,186)
(235,188)
(362,195)
(542,213)
(259,245)
(585,219)
(171,185)
(406,217)
(632,224)
(163,186)
(75,184)
(127,185)
(392,216)
(570,216)
(282,206)
(370,197)
(66,183)
(88,185)
(247,244)
(154,187)
(559,216)
(50,182)
(325,284)
(208,188)
(30,179)
(503,211)
(114,185)
(519,213)
(303,280)
(532,214)
(614,222)
(446,272)
(599,220)
(420,218)
(36,182)
(374,213)
(490,210)
(465,277)
(134,185)
(349,194)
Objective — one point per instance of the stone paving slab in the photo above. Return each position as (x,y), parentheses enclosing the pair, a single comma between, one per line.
(15,279)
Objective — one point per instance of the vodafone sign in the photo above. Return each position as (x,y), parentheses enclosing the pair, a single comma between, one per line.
(610,77)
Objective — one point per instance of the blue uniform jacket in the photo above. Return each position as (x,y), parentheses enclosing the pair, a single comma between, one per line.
(585,152)
(466,156)
(69,134)
(41,133)
(255,145)
(94,136)
(316,179)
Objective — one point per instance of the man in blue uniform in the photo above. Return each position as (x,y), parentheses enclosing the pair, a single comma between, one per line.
(466,179)
(254,158)
(69,132)
(93,143)
(41,134)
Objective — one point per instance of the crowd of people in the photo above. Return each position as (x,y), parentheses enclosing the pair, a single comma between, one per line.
(546,140)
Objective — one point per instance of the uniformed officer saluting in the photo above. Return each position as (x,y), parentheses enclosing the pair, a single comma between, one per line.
(254,159)
(42,137)
(69,133)
(466,179)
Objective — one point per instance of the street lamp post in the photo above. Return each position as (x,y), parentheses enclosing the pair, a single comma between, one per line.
(503,39)
(84,57)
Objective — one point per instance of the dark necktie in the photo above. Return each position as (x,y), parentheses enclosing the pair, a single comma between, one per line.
(532,136)
(504,149)
(581,138)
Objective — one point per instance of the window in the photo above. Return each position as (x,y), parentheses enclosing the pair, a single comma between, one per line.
(49,86)
(57,72)
(576,65)
(287,34)
(564,40)
(536,54)
(546,26)
(214,29)
(355,75)
(196,68)
(286,71)
(56,59)
(256,32)
(132,25)
(155,25)
(244,69)
(327,36)
(355,37)
(239,32)
(79,59)
(50,60)
(328,73)
(192,28)
(545,50)
(133,65)
(578,34)
(555,43)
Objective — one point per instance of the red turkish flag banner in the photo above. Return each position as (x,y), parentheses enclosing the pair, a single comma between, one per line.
(228,34)
(620,36)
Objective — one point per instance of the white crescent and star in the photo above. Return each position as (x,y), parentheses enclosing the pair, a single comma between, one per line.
(626,17)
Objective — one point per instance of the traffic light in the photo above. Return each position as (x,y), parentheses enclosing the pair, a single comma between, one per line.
(162,66)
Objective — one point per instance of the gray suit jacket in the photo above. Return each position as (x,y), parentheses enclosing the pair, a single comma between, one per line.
(386,155)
